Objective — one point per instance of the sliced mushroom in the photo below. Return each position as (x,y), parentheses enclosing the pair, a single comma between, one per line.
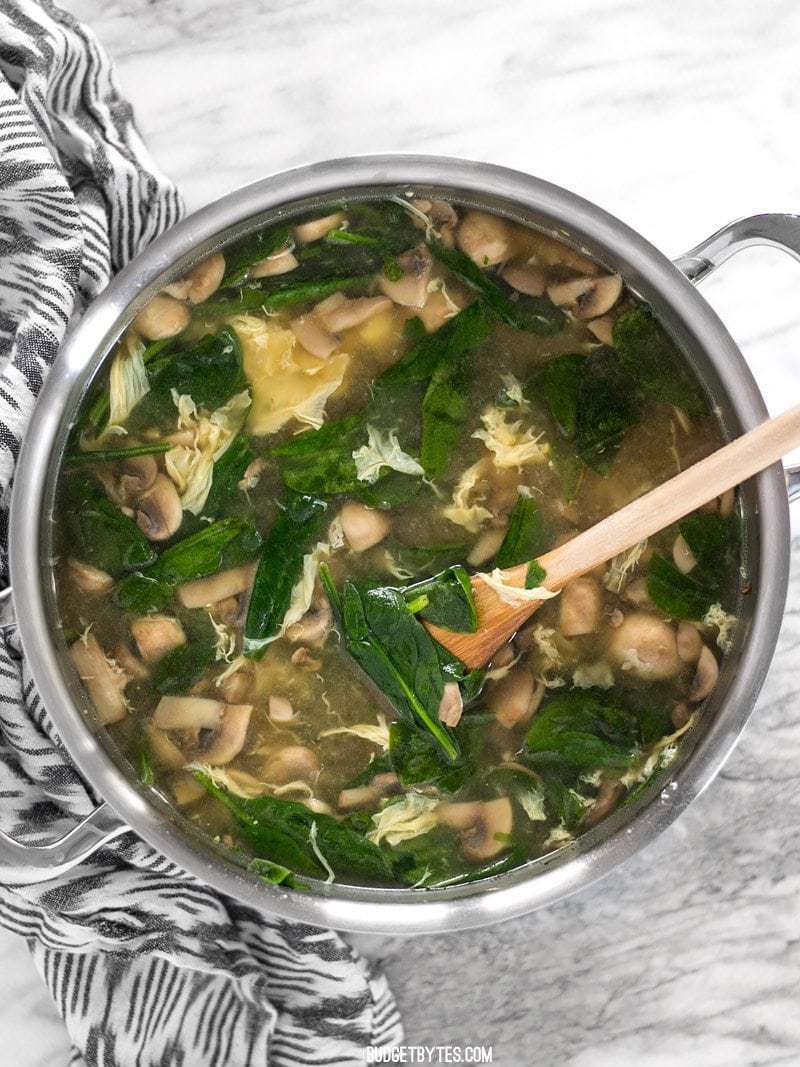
(411,290)
(603,329)
(451,706)
(689,642)
(291,764)
(202,592)
(88,579)
(159,511)
(482,826)
(164,750)
(236,687)
(280,709)
(227,611)
(363,527)
(314,626)
(486,239)
(104,680)
(524,278)
(645,646)
(682,555)
(186,790)
(163,317)
(581,607)
(636,593)
(187,713)
(316,229)
(437,310)
(348,313)
(280,263)
(587,297)
(156,635)
(705,677)
(443,217)
(514,699)
(504,657)
(313,336)
(131,664)
(302,657)
(229,735)
(137,475)
(204,279)
(368,796)
(486,547)
(608,796)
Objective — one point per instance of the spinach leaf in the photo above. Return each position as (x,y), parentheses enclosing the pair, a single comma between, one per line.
(320,462)
(654,361)
(535,314)
(712,540)
(97,414)
(391,490)
(465,331)
(183,666)
(434,861)
(605,411)
(273,294)
(223,544)
(210,371)
(279,567)
(558,384)
(416,759)
(445,600)
(563,804)
(275,874)
(682,596)
(281,830)
(395,650)
(528,534)
(110,455)
(470,681)
(445,408)
(239,258)
(102,535)
(228,472)
(534,575)
(580,731)
(427,559)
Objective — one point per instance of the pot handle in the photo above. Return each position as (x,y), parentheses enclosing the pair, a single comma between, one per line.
(775,229)
(25,864)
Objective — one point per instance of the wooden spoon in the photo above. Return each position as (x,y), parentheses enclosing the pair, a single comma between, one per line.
(697,485)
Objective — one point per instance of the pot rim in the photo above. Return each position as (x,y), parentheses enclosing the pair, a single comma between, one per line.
(593,855)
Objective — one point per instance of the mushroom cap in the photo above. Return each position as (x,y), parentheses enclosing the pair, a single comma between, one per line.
(187,713)
(281,263)
(159,511)
(363,527)
(451,705)
(646,646)
(203,592)
(105,682)
(486,239)
(705,677)
(514,698)
(580,607)
(88,579)
(314,336)
(689,642)
(588,297)
(411,290)
(293,763)
(156,635)
(524,278)
(348,313)
(316,229)
(229,735)
(682,555)
(204,278)
(137,475)
(163,317)
(479,823)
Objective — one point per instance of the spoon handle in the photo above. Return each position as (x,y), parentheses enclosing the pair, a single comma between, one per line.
(660,507)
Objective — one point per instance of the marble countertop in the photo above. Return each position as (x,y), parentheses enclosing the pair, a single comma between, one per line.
(677,118)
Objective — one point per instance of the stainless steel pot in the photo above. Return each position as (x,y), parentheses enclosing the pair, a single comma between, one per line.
(716,359)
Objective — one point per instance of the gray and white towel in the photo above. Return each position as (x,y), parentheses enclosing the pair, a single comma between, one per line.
(145,964)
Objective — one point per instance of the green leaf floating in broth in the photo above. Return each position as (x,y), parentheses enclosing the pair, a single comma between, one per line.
(223,544)
(239,258)
(558,384)
(209,371)
(712,540)
(275,874)
(228,472)
(112,455)
(445,408)
(283,831)
(463,332)
(528,534)
(97,413)
(581,731)
(654,361)
(434,861)
(273,294)
(101,534)
(445,600)
(396,651)
(534,314)
(279,568)
(180,668)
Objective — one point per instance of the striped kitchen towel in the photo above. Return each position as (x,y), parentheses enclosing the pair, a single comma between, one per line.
(146,965)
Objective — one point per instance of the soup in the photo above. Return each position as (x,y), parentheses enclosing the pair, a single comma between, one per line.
(295,459)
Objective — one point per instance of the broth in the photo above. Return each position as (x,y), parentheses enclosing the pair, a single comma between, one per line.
(297,455)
